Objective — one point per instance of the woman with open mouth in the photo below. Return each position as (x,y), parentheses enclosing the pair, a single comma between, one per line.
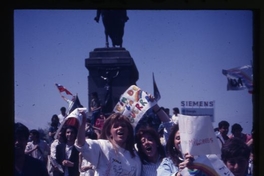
(148,144)
(113,153)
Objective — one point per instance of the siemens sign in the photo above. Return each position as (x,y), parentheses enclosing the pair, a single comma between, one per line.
(197,103)
(198,108)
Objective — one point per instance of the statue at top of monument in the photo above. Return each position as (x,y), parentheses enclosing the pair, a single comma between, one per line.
(108,101)
(114,23)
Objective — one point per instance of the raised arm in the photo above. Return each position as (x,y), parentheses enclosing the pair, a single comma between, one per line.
(80,140)
(159,111)
(165,119)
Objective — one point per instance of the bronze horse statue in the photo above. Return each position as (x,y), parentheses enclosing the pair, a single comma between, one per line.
(114,23)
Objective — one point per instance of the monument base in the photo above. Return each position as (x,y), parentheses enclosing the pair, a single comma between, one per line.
(112,66)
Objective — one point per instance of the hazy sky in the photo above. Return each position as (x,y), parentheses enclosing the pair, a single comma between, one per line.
(186,50)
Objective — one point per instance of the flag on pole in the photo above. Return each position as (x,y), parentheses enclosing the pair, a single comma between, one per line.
(239,78)
(155,89)
(63,89)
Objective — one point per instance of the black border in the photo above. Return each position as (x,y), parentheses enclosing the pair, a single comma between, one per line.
(7,76)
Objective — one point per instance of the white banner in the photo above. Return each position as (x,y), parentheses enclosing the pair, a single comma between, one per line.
(74,119)
(133,103)
(197,135)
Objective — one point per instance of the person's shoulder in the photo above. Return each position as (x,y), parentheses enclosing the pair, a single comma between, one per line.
(60,145)
(217,134)
(166,160)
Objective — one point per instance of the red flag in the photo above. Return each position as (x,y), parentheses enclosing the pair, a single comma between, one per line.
(63,89)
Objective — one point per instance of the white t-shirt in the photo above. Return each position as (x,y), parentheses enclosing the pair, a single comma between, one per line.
(89,172)
(61,117)
(41,153)
(53,148)
(175,119)
(109,161)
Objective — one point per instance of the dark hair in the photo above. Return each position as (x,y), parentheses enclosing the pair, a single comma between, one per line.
(63,109)
(153,133)
(88,120)
(234,147)
(55,120)
(34,132)
(223,123)
(117,118)
(94,94)
(21,129)
(176,110)
(90,133)
(63,133)
(236,127)
(172,152)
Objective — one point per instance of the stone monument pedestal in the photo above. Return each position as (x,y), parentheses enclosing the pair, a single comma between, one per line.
(119,65)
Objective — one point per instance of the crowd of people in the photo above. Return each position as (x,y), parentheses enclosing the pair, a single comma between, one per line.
(111,146)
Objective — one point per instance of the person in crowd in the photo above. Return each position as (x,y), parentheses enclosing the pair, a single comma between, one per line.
(250,164)
(223,129)
(54,125)
(85,167)
(166,121)
(175,117)
(161,135)
(167,110)
(67,155)
(70,102)
(52,163)
(113,153)
(216,130)
(99,123)
(91,129)
(88,125)
(23,163)
(235,154)
(236,131)
(175,161)
(36,147)
(95,107)
(62,114)
(148,143)
(61,138)
(150,150)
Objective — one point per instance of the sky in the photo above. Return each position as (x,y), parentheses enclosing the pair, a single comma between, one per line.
(185,49)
